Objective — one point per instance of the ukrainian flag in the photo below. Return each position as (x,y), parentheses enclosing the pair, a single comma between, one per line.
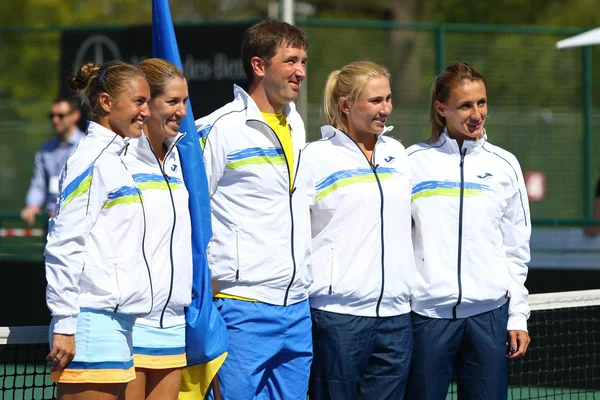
(206,333)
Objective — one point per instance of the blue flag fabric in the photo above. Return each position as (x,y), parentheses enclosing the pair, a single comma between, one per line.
(206,333)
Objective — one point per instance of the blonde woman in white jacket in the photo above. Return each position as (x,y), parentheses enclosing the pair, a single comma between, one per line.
(362,261)
(471,238)
(153,159)
(98,277)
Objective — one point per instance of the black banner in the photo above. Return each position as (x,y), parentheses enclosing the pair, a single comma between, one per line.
(210,55)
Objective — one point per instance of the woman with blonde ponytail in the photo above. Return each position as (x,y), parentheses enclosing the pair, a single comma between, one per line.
(363,264)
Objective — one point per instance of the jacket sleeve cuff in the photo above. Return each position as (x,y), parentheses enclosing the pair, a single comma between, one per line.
(65,325)
(517,322)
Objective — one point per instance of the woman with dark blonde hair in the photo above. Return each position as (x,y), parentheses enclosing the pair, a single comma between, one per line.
(153,159)
(362,261)
(98,277)
(471,240)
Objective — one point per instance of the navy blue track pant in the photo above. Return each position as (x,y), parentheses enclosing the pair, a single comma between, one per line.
(359,357)
(474,347)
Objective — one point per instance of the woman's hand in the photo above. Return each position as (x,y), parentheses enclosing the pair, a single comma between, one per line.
(63,351)
(518,341)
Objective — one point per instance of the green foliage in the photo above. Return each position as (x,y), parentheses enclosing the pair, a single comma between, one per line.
(517,12)
(534,90)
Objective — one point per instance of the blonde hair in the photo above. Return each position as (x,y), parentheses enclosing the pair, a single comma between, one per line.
(112,77)
(348,83)
(454,75)
(158,73)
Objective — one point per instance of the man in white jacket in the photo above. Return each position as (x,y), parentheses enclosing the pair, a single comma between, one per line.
(261,226)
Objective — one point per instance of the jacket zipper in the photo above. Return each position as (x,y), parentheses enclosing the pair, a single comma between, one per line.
(287,291)
(162,314)
(291,191)
(374,169)
(382,241)
(460,227)
(166,178)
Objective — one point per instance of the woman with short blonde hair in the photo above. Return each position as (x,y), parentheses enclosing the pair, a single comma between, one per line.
(362,260)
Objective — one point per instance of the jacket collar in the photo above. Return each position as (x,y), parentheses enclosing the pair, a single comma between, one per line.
(252,111)
(113,142)
(449,145)
(329,132)
(291,115)
(142,149)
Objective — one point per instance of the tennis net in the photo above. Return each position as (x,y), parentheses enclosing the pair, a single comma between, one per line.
(562,361)
(24,374)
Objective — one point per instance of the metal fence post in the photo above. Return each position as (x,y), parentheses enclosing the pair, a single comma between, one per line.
(288,15)
(587,130)
(440,44)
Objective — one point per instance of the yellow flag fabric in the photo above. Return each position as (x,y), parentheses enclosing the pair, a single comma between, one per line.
(196,379)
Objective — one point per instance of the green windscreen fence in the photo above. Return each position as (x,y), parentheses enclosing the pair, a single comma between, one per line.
(541,99)
(535,93)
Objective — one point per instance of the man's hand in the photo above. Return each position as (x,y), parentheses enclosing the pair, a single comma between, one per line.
(518,341)
(63,351)
(29,213)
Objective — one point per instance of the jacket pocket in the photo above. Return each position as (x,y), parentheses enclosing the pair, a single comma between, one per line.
(332,269)
(224,256)
(237,255)
(118,291)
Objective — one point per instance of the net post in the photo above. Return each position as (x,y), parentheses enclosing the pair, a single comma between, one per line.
(440,43)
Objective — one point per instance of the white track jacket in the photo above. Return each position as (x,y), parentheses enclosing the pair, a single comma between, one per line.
(168,242)
(261,229)
(94,254)
(363,262)
(472,229)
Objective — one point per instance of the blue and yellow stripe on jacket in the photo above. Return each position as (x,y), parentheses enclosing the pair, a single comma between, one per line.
(203,133)
(156,182)
(96,372)
(255,156)
(348,177)
(122,196)
(448,189)
(78,187)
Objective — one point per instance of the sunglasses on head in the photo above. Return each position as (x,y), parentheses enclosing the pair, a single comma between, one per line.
(59,115)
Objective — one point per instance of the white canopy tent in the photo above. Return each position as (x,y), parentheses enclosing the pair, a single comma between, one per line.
(583,39)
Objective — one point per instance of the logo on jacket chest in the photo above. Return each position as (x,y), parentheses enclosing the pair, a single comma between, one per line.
(485,175)
(390,159)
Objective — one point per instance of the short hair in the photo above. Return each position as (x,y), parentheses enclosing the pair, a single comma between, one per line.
(158,73)
(348,82)
(73,102)
(112,77)
(263,39)
(454,75)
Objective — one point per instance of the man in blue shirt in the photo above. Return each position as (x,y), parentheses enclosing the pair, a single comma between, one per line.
(51,157)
